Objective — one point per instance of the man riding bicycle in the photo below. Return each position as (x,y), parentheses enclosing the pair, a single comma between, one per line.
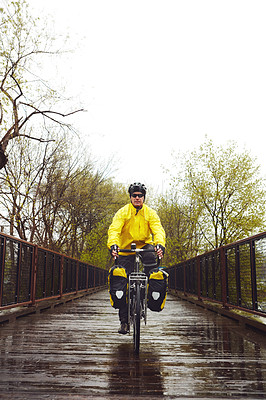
(138,223)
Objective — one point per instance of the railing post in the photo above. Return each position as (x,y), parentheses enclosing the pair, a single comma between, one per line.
(61,276)
(77,276)
(253,276)
(237,272)
(199,277)
(223,276)
(87,278)
(18,270)
(3,252)
(34,274)
(53,272)
(184,283)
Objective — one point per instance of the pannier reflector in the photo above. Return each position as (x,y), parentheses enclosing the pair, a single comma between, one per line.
(119,294)
(155,295)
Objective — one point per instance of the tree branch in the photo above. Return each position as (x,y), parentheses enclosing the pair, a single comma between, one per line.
(38,139)
(45,113)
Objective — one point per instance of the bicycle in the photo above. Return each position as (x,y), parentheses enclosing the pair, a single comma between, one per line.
(137,295)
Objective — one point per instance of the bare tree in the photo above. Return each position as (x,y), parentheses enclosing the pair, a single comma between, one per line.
(24,95)
(56,199)
(20,182)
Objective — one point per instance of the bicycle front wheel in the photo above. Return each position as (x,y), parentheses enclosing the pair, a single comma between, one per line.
(136,322)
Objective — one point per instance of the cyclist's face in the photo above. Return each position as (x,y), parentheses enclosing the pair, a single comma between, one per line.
(137,201)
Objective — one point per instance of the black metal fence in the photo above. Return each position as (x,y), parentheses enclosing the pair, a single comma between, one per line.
(234,275)
(29,273)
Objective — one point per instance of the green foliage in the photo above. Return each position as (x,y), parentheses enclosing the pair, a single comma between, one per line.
(96,251)
(178,222)
(227,193)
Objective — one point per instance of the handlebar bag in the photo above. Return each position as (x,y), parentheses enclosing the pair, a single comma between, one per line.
(118,286)
(157,289)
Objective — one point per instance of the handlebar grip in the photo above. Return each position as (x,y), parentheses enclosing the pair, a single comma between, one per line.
(157,247)
(115,248)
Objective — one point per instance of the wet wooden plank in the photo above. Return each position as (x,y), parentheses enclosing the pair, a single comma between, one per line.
(75,352)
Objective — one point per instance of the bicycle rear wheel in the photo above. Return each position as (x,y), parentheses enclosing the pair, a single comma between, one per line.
(136,321)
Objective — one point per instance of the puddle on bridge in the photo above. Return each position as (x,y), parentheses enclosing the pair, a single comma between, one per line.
(75,352)
(135,375)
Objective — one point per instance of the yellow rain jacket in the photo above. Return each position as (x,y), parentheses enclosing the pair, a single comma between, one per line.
(142,227)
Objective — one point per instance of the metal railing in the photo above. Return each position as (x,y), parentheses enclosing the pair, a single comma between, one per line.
(233,275)
(29,274)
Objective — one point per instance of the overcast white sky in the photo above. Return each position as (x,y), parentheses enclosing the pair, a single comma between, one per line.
(158,75)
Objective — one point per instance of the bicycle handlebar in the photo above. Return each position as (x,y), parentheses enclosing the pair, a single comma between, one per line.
(135,250)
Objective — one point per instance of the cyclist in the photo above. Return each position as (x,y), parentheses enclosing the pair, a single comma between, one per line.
(138,223)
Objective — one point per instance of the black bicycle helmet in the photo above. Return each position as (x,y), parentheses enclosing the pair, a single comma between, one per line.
(137,187)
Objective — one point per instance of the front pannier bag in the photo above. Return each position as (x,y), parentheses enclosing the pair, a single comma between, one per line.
(118,286)
(157,289)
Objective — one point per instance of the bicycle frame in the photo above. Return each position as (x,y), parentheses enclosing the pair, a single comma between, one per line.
(137,295)
(137,278)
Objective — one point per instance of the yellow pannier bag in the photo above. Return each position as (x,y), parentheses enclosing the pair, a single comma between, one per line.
(118,286)
(157,289)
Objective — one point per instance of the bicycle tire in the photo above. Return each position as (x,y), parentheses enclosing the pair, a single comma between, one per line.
(136,322)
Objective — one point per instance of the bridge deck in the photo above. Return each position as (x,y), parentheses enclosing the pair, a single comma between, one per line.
(75,352)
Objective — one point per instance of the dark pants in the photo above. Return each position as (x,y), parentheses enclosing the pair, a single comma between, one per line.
(149,262)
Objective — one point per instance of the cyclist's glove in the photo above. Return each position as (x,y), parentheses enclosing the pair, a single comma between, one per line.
(114,247)
(161,247)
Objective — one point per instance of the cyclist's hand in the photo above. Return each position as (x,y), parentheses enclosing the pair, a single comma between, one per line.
(159,250)
(114,250)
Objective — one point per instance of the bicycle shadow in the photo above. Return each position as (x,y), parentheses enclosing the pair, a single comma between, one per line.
(132,374)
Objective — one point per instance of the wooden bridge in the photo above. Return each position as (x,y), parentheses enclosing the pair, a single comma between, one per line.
(74,352)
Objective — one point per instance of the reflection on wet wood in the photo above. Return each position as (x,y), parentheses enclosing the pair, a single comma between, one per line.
(75,352)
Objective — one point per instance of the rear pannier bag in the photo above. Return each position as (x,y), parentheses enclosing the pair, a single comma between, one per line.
(157,289)
(118,285)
